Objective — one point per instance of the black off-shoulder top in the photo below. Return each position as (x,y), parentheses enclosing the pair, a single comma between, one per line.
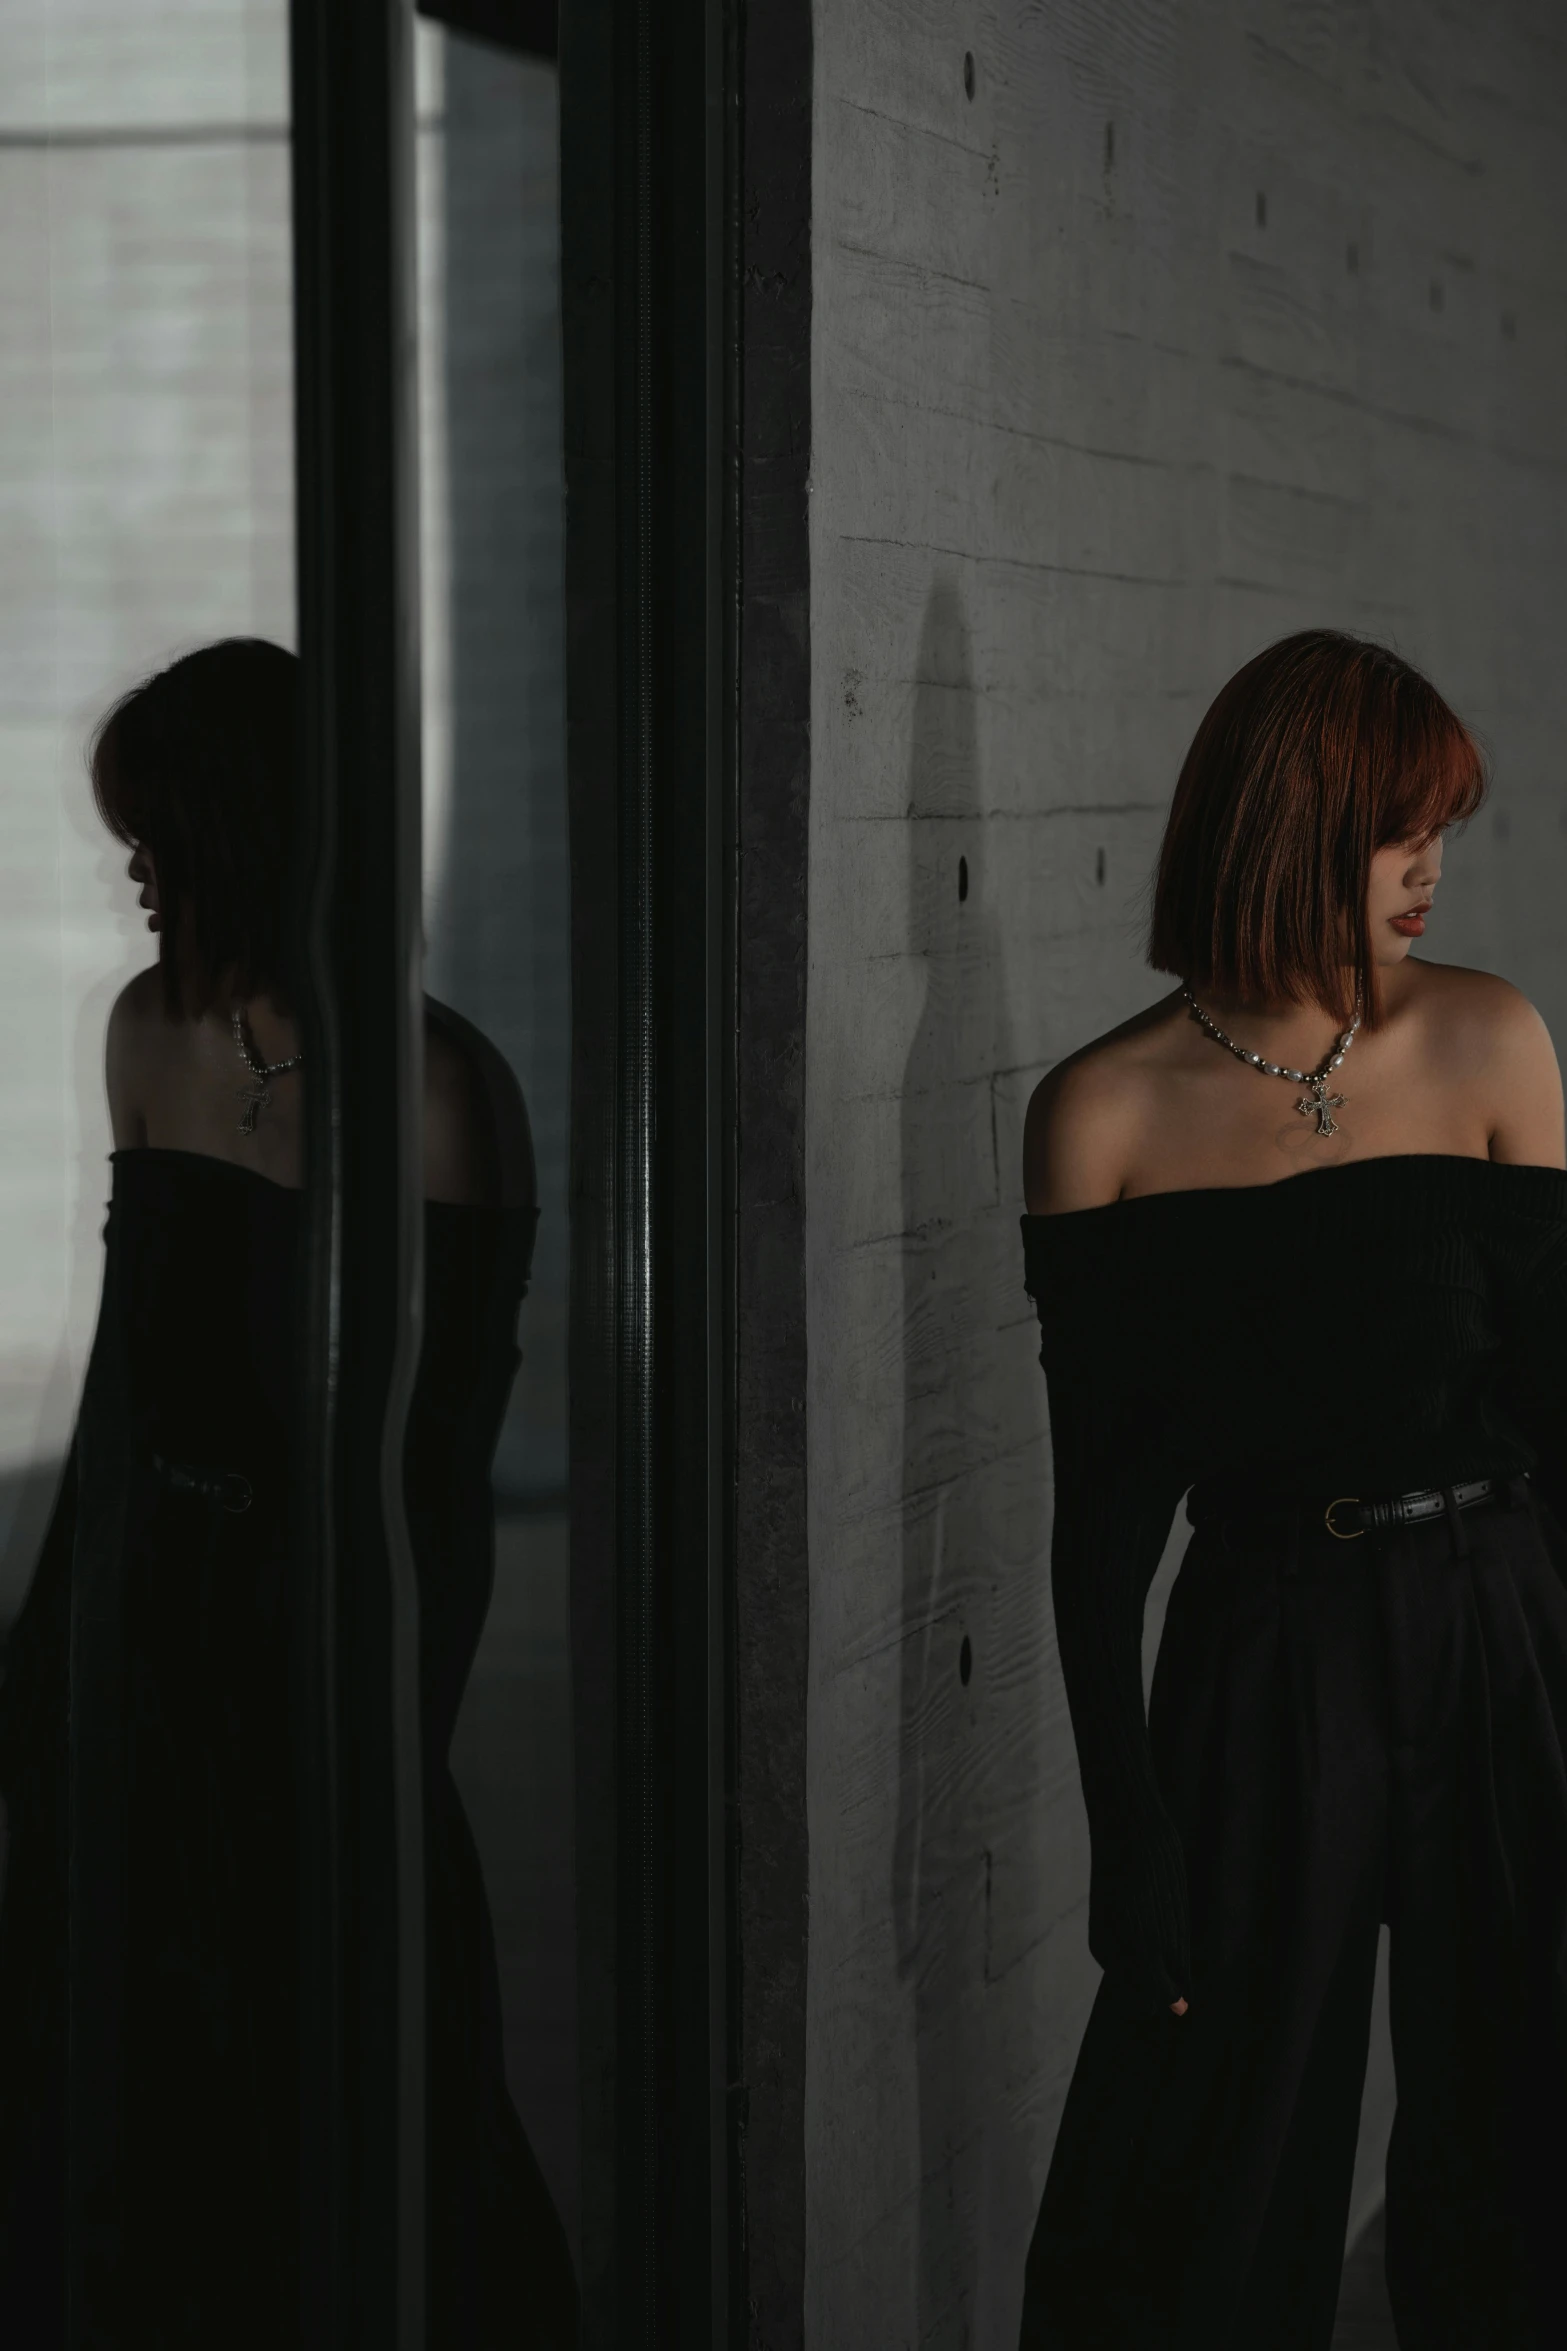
(1371,1328)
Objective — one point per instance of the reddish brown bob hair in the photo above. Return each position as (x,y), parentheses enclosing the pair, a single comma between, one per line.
(197,765)
(1319,752)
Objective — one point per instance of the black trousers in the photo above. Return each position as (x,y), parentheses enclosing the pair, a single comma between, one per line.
(1345,1733)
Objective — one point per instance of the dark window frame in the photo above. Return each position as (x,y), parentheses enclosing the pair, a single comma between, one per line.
(651,295)
(650,227)
(530,26)
(356,946)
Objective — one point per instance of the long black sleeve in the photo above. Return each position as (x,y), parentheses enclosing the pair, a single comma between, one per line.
(34,1675)
(33,1778)
(1115,1496)
(1112,1518)
(1534,1380)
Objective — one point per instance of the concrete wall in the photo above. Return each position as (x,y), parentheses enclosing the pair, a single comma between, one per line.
(1193,324)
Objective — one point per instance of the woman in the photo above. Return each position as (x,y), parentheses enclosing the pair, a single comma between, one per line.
(160,1608)
(1298,1240)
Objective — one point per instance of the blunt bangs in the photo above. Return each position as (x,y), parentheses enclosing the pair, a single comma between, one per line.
(1440,783)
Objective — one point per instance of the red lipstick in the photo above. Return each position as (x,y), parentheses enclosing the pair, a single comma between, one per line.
(1412,925)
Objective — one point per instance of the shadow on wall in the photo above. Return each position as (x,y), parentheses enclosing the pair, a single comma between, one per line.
(952,1203)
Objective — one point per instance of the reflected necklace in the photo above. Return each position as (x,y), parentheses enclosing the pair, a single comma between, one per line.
(1319,1100)
(257,1095)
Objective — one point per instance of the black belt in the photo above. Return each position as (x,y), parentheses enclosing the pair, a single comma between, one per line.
(221,1489)
(1347,1516)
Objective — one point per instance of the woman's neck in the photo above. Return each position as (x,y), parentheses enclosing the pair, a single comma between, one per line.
(273,1031)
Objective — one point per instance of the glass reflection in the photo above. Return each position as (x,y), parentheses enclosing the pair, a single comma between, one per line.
(148,1954)
(497,948)
(146,474)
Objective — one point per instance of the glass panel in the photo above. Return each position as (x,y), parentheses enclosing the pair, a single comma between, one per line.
(146,485)
(496,910)
(146,475)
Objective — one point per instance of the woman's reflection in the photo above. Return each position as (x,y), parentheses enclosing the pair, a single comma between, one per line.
(158,1611)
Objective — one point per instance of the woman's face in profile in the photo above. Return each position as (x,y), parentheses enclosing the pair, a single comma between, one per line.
(144,872)
(1403,880)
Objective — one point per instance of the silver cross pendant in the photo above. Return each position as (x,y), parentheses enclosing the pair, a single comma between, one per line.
(255,1099)
(1323,1103)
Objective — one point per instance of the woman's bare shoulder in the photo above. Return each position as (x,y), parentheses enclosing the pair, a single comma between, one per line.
(478,1147)
(1086,1115)
(1461,989)
(1492,1041)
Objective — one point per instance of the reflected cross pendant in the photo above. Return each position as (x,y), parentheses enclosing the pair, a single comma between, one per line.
(254,1099)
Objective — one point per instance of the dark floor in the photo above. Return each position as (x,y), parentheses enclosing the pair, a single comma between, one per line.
(1364,2321)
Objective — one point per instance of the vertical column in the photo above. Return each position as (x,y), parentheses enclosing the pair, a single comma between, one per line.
(648,208)
(360,990)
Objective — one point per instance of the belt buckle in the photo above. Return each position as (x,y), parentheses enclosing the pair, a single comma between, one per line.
(1338,1532)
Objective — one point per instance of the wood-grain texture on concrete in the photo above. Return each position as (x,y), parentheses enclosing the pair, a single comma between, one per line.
(1192,325)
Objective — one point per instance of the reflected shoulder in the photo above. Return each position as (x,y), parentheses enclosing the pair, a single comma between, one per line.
(478,1147)
(138,1004)
(137,1017)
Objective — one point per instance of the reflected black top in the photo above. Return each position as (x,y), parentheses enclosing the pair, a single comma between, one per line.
(161,1822)
(1367,1329)
(207,1260)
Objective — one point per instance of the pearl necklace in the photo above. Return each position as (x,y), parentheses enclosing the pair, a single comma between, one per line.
(258,1094)
(1319,1100)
